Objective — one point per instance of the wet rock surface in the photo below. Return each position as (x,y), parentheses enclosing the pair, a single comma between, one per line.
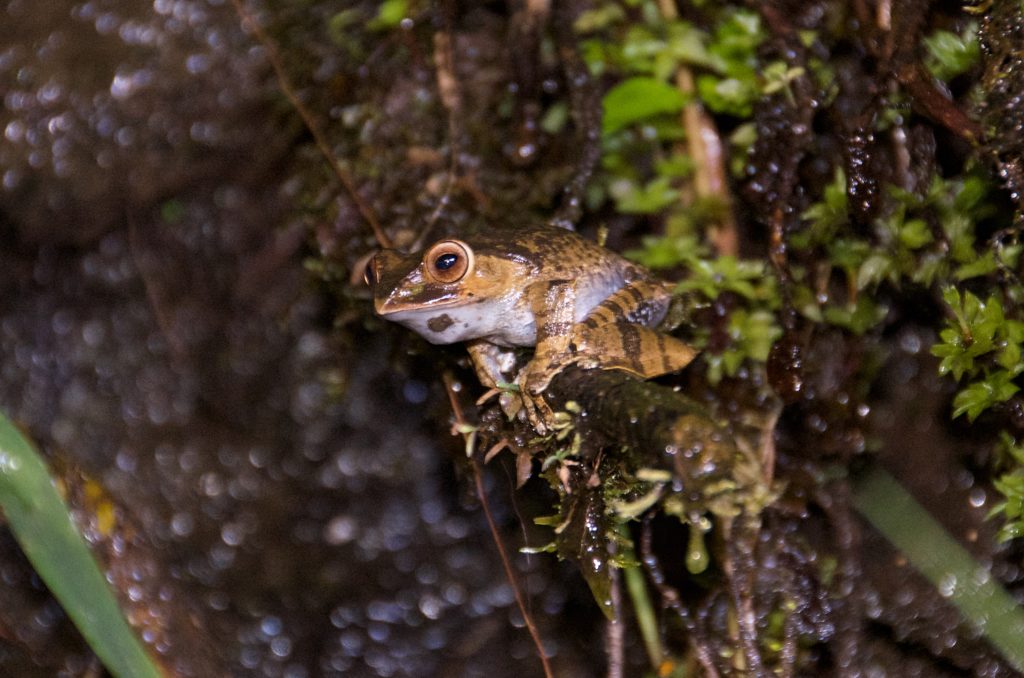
(288,500)
(159,335)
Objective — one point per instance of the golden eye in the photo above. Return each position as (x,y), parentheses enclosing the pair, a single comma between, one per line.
(448,261)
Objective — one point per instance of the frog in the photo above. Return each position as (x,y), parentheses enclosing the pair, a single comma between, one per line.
(501,289)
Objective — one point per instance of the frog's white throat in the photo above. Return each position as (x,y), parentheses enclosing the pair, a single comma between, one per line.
(449,324)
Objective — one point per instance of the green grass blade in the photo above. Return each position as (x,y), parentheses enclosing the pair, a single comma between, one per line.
(39,520)
(945,563)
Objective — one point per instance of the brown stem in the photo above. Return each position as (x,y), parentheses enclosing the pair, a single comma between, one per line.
(737,573)
(615,633)
(506,563)
(451,99)
(307,118)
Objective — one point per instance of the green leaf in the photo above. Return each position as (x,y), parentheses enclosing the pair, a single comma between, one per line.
(737,38)
(555,118)
(638,98)
(598,18)
(583,538)
(997,388)
(41,523)
(861,317)
(875,269)
(983,265)
(954,359)
(950,54)
(389,15)
(674,166)
(667,252)
(685,43)
(756,332)
(964,582)
(825,216)
(1009,358)
(731,96)
(652,197)
(914,234)
(778,76)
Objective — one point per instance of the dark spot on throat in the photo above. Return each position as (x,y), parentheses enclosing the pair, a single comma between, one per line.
(440,323)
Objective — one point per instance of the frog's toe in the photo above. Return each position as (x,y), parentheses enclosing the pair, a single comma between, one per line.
(528,412)
(539,414)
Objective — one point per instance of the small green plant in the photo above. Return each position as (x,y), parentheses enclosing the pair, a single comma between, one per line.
(950,54)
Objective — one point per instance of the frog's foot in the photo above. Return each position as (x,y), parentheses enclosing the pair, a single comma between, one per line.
(538,412)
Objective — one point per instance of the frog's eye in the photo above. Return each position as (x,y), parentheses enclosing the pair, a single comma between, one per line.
(448,261)
(370,272)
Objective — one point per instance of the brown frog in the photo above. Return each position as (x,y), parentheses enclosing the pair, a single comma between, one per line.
(574,301)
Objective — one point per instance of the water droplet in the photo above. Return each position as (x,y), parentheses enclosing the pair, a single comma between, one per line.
(430,606)
(341,530)
(232,534)
(8,462)
(271,626)
(696,552)
(281,646)
(182,524)
(947,585)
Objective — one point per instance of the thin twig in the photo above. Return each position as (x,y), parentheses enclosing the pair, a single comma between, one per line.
(506,563)
(737,572)
(307,118)
(615,629)
(451,99)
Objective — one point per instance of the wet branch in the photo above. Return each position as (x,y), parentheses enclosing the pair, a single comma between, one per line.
(667,428)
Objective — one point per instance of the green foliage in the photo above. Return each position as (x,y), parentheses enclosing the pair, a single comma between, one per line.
(981,342)
(977,328)
(964,582)
(1011,485)
(389,14)
(641,113)
(41,523)
(918,239)
(950,54)
(638,98)
(826,216)
(778,77)
(733,85)
(978,396)
(751,335)
(846,268)
(649,198)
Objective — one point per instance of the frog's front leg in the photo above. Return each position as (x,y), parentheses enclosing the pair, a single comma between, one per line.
(492,363)
(554,309)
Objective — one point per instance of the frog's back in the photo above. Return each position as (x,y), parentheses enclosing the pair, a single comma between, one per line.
(553,253)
